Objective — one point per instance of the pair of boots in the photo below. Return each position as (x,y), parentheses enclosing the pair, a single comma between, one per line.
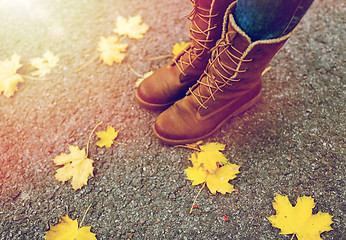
(216,77)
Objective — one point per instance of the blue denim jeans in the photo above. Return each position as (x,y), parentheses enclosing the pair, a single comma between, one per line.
(267,19)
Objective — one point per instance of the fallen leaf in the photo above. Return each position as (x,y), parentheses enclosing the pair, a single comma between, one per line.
(9,78)
(76,166)
(146,75)
(68,229)
(112,50)
(179,47)
(44,65)
(132,27)
(299,219)
(210,166)
(107,137)
(217,181)
(192,146)
(210,156)
(225,218)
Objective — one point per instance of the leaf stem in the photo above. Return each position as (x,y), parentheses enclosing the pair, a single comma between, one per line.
(159,57)
(122,38)
(87,63)
(188,147)
(34,78)
(87,149)
(193,204)
(134,71)
(120,143)
(80,225)
(266,70)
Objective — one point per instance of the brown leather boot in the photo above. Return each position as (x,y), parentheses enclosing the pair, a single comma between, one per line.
(230,85)
(170,82)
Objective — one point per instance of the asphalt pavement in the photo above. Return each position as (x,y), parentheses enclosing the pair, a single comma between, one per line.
(291,143)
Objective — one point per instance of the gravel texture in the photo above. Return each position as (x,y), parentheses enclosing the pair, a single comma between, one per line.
(291,143)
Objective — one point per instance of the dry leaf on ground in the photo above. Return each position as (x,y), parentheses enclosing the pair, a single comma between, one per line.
(299,219)
(9,78)
(112,50)
(76,165)
(141,79)
(107,137)
(68,229)
(44,65)
(210,166)
(131,27)
(179,47)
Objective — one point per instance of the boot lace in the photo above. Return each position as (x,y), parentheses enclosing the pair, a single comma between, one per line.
(217,82)
(191,51)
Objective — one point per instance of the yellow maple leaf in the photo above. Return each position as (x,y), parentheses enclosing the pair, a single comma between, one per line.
(9,78)
(210,166)
(68,229)
(132,27)
(179,47)
(44,65)
(107,137)
(112,50)
(210,156)
(217,181)
(141,79)
(299,219)
(77,166)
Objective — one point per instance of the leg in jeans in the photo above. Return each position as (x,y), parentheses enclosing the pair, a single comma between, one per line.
(268,19)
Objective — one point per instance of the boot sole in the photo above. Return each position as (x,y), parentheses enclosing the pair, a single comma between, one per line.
(151,106)
(243,108)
